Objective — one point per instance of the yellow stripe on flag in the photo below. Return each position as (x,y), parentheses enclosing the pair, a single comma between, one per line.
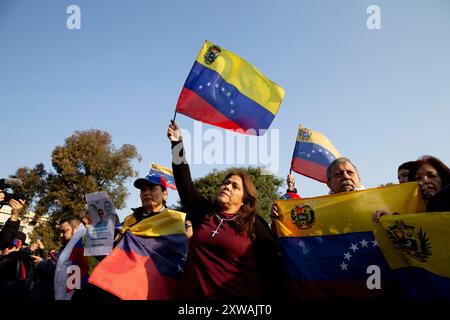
(320,139)
(416,240)
(345,212)
(161,169)
(168,222)
(245,77)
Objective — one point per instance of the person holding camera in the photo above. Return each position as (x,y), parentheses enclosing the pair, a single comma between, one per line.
(14,263)
(9,231)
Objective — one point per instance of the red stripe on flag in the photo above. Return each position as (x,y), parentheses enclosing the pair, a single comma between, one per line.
(122,275)
(310,169)
(194,106)
(133,277)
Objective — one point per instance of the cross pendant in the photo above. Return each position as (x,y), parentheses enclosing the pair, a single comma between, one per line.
(214,233)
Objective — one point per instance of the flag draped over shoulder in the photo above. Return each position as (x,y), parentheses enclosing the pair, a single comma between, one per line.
(327,243)
(313,153)
(164,172)
(72,254)
(148,262)
(224,90)
(417,248)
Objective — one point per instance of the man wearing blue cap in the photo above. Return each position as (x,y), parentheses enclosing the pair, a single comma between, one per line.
(153,197)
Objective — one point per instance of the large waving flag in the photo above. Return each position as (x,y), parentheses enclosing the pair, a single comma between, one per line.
(327,243)
(166,173)
(224,90)
(417,248)
(148,262)
(312,154)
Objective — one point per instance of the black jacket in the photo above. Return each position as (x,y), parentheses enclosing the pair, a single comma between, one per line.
(14,275)
(8,233)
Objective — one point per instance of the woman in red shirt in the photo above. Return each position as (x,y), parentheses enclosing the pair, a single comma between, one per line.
(232,253)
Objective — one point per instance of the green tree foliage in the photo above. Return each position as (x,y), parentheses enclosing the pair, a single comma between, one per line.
(87,162)
(34,187)
(386,184)
(48,234)
(266,185)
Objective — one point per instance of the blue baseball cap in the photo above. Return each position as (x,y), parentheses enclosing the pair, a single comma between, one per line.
(20,239)
(151,179)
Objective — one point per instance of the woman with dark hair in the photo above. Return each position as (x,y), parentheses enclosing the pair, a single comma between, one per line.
(434,182)
(232,253)
(403,171)
(433,177)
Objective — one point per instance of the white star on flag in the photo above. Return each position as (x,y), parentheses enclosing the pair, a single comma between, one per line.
(222,89)
(314,151)
(375,243)
(363,243)
(231,111)
(231,102)
(228,94)
(208,84)
(217,85)
(308,155)
(343,266)
(302,245)
(320,150)
(354,247)
(347,256)
(200,87)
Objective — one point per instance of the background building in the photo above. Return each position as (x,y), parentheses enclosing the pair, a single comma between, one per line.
(26,220)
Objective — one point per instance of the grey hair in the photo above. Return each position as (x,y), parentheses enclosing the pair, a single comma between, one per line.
(337,162)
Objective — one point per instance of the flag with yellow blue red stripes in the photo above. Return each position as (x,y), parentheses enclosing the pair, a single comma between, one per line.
(224,90)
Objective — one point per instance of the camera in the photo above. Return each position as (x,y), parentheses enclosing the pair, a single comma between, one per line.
(9,189)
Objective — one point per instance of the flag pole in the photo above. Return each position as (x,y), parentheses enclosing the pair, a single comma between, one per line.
(174,115)
(290,169)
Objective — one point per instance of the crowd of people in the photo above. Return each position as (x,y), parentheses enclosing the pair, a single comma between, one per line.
(233,252)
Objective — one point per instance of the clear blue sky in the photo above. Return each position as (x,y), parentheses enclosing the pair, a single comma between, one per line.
(381,96)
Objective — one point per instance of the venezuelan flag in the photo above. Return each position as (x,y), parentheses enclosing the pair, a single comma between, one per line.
(327,243)
(77,258)
(166,173)
(417,248)
(148,262)
(313,153)
(72,254)
(224,90)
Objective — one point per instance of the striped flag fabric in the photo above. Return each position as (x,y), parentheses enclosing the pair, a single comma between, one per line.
(224,90)
(313,153)
(327,244)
